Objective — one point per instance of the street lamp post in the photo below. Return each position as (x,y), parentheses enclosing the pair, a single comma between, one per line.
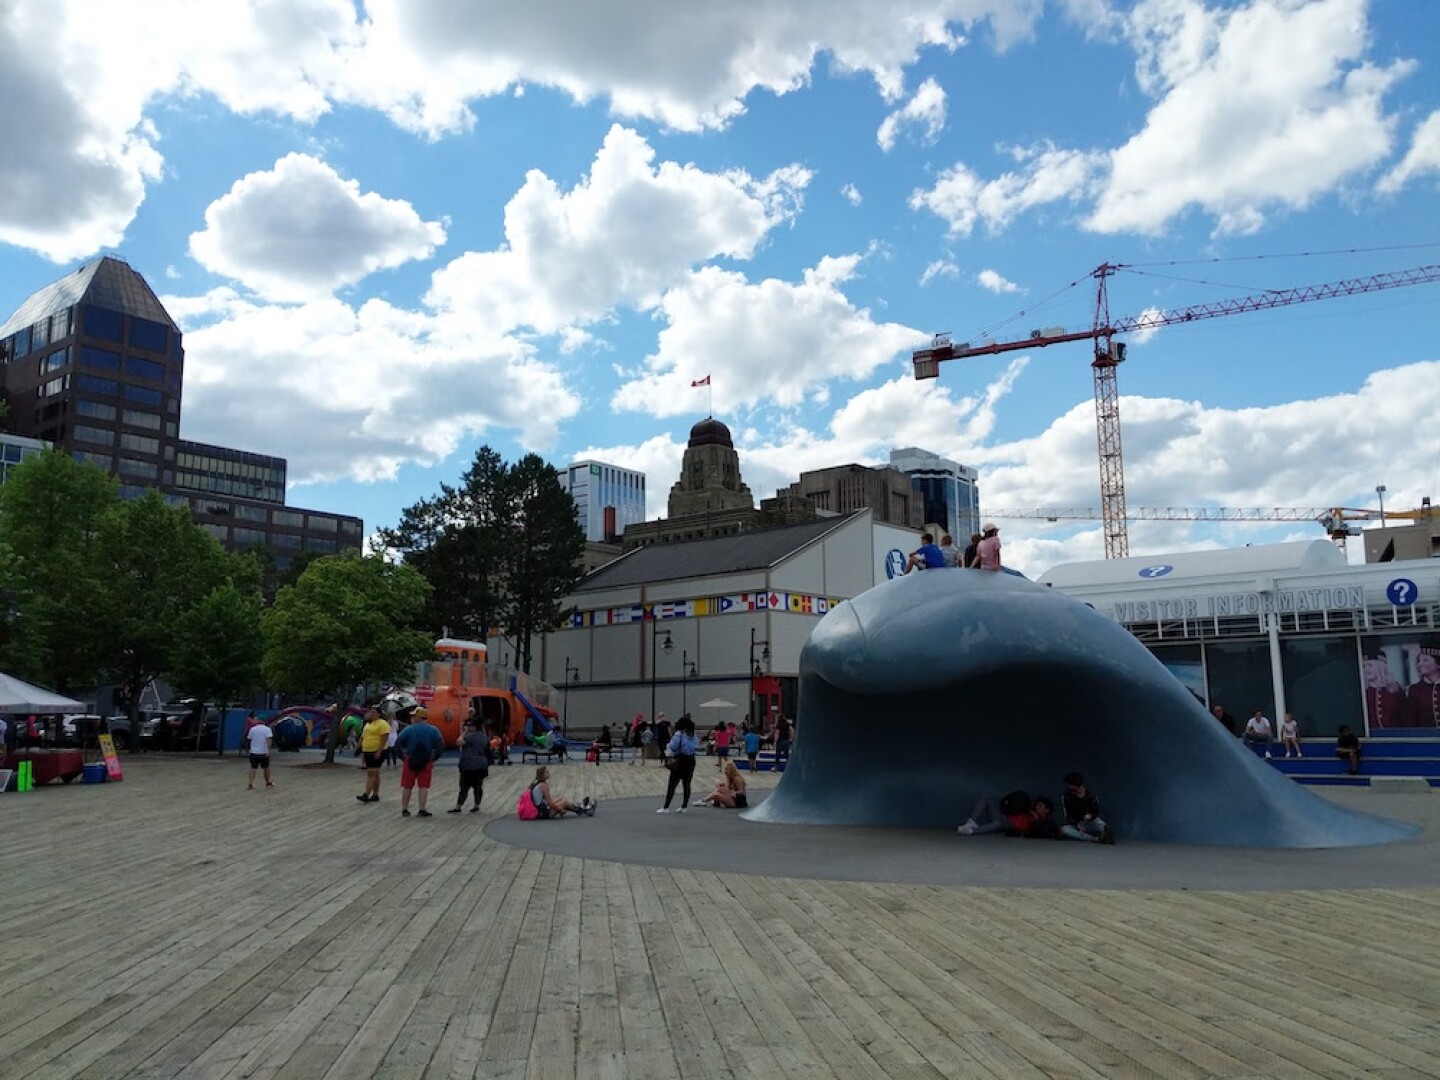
(565,715)
(755,671)
(1380,490)
(669,648)
(687,672)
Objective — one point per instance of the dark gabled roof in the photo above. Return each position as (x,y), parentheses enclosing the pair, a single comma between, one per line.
(105,282)
(758,550)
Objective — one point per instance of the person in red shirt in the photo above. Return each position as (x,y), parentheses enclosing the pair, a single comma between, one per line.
(1386,703)
(1423,696)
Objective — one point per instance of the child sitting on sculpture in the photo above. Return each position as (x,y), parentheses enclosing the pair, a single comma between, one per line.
(1082,812)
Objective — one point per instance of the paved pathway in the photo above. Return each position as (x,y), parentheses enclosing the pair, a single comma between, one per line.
(177,925)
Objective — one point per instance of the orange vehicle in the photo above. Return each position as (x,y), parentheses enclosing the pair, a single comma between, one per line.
(458,684)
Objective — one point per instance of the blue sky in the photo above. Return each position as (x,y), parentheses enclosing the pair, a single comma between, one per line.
(393,232)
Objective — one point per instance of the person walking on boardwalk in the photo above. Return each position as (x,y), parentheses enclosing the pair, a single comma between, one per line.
(261,738)
(474,765)
(420,746)
(373,737)
(681,753)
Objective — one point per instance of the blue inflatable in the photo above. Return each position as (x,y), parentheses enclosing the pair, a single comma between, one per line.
(982,683)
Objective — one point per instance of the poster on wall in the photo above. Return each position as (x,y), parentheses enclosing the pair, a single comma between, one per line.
(1402,683)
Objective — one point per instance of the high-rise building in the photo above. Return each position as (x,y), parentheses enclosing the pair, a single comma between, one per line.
(94,365)
(14,449)
(607,497)
(949,492)
(843,489)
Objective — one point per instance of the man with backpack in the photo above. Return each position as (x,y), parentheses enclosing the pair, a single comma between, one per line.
(420,746)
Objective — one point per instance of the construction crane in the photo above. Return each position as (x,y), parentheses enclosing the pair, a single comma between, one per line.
(1109,354)
(1337,521)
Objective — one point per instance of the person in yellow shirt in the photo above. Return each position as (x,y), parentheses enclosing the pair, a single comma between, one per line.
(373,737)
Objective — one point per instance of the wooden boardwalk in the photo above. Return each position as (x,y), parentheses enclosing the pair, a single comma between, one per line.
(177,925)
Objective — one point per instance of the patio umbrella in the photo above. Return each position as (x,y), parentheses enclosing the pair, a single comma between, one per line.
(18,696)
(717,703)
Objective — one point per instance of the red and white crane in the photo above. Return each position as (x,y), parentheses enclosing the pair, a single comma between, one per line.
(1109,354)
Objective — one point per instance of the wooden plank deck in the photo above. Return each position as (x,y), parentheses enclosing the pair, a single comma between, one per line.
(178,925)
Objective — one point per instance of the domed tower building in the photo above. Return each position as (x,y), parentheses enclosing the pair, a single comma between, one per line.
(710,480)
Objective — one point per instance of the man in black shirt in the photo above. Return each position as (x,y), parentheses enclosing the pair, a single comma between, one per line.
(1224,718)
(1347,748)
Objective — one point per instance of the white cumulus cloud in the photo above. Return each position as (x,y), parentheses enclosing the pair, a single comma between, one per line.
(939,268)
(1422,158)
(622,235)
(300,231)
(1046,175)
(992,280)
(748,336)
(925,111)
(852,194)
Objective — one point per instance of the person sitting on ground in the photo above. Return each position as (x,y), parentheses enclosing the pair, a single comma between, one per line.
(551,805)
(1348,748)
(1290,735)
(949,552)
(1012,814)
(926,557)
(729,790)
(1082,812)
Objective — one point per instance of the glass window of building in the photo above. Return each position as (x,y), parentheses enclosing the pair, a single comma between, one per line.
(96,385)
(172,429)
(318,523)
(52,388)
(251,513)
(242,537)
(132,491)
(56,360)
(97,410)
(141,368)
(98,436)
(148,335)
(350,529)
(99,359)
(285,541)
(20,343)
(40,335)
(289,519)
(141,444)
(146,420)
(60,324)
(100,461)
(145,470)
(220,532)
(144,396)
(172,407)
(104,323)
(319,546)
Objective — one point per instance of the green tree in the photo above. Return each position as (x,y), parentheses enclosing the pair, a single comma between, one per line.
(158,567)
(458,540)
(543,551)
(346,621)
(52,509)
(219,645)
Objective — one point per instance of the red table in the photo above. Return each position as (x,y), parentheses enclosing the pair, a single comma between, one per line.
(49,765)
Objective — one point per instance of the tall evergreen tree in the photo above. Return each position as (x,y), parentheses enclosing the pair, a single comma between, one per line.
(545,546)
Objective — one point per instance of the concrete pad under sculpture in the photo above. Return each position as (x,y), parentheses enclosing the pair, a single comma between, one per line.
(995,683)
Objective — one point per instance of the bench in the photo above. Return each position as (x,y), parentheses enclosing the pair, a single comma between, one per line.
(535,753)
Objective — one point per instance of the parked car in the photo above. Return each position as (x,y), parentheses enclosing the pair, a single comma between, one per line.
(83,729)
(188,725)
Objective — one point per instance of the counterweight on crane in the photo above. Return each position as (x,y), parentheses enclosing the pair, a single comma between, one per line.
(1109,354)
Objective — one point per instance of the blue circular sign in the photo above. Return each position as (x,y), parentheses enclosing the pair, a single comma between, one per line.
(895,562)
(1401,592)
(1156,571)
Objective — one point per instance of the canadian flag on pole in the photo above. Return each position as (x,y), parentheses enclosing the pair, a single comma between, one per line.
(701,382)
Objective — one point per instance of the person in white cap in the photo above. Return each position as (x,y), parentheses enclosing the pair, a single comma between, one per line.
(989,547)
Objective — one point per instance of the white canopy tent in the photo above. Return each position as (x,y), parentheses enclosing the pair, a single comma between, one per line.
(18,696)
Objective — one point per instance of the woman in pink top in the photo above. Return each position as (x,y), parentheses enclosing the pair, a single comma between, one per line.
(989,547)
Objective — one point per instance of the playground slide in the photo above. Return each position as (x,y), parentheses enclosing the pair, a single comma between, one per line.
(536,724)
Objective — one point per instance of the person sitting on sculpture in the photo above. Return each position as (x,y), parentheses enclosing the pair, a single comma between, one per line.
(1348,748)
(1012,814)
(926,557)
(1082,812)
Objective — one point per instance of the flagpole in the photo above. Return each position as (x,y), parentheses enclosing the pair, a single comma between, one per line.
(710,397)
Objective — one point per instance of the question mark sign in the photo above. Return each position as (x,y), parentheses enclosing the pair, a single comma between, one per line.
(1404,591)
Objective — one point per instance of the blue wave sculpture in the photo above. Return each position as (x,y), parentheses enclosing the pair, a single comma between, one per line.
(931,689)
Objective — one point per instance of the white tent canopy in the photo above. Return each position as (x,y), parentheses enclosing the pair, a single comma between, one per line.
(717,703)
(18,696)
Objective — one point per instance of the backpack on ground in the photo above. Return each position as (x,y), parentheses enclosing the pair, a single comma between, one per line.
(525,806)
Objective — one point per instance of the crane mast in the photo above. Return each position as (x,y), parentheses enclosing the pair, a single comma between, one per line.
(1109,354)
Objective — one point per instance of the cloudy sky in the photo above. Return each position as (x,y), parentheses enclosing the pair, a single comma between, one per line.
(393,231)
